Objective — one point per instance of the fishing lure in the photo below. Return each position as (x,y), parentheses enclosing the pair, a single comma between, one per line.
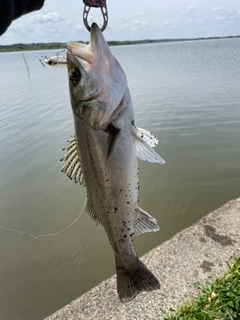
(55,61)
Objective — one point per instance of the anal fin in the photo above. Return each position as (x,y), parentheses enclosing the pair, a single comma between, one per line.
(144,222)
(91,212)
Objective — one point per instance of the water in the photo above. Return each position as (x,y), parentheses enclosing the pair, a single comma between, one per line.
(187,93)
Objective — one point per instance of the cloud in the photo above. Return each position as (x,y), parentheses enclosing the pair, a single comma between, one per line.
(140,13)
(166,23)
(122,18)
(223,14)
(48,27)
(200,23)
(139,23)
(220,18)
(219,9)
(19,28)
(190,21)
(43,18)
(189,11)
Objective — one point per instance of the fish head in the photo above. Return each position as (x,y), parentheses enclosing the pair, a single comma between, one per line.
(96,80)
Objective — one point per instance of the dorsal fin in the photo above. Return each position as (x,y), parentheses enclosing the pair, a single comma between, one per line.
(72,165)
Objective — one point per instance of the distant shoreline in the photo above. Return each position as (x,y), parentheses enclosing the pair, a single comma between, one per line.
(57,45)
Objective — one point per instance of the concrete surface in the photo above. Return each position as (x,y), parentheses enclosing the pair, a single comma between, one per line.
(189,258)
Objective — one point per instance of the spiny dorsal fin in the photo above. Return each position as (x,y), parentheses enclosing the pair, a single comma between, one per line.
(91,212)
(146,136)
(72,165)
(144,222)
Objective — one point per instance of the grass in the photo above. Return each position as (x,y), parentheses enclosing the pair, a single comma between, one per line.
(217,300)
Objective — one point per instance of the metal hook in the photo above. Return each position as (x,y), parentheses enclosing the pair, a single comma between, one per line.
(58,53)
(96,4)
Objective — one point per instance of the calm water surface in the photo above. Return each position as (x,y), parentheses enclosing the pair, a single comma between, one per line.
(187,93)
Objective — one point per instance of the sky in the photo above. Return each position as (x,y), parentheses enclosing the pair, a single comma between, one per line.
(61,20)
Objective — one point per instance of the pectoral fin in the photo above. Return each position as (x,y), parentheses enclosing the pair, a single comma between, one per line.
(112,137)
(144,222)
(72,165)
(146,137)
(146,153)
(144,142)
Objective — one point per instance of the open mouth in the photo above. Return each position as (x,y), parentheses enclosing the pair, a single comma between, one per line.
(80,50)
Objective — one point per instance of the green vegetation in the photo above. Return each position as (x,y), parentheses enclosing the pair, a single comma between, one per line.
(60,45)
(31,46)
(218,300)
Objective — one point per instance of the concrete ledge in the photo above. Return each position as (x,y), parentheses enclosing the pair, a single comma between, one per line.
(189,258)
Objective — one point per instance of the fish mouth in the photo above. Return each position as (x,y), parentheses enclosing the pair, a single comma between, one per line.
(80,51)
(85,52)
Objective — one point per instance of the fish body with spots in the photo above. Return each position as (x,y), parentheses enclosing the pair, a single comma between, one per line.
(103,156)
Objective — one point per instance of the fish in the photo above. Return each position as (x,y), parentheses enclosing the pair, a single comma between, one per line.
(102,156)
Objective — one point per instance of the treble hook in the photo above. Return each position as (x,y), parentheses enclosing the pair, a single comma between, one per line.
(96,4)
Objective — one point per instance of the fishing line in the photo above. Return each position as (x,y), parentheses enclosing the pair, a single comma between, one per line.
(46,235)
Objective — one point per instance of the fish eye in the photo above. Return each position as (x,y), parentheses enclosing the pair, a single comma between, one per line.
(74,75)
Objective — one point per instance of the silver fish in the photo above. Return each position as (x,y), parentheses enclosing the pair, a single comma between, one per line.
(103,156)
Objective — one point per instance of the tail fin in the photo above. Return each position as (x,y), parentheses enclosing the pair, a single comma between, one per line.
(131,282)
